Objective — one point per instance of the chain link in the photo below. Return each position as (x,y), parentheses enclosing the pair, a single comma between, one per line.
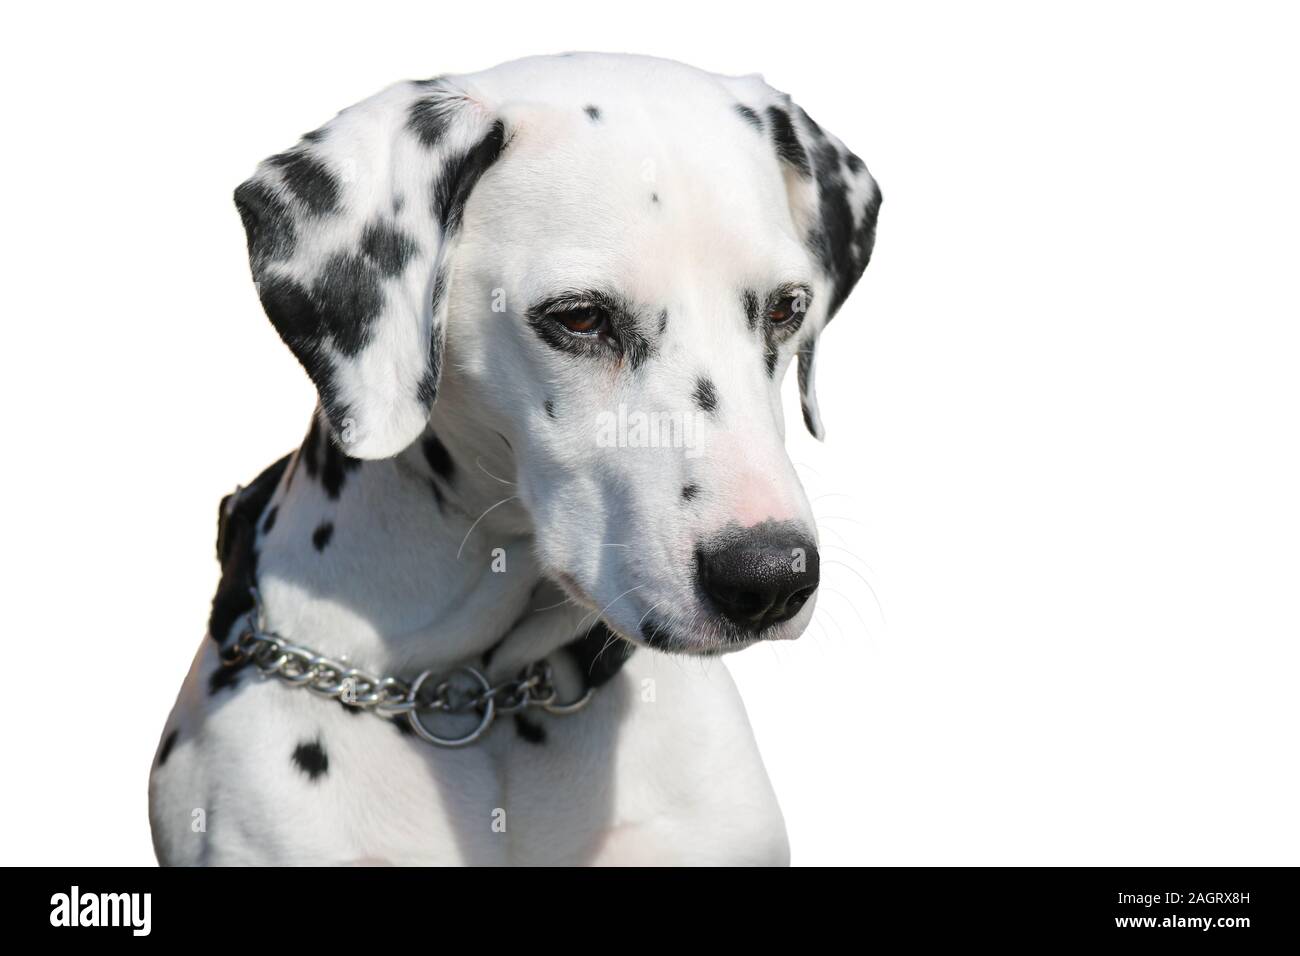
(461,691)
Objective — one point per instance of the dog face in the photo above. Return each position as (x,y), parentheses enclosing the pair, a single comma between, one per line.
(620,256)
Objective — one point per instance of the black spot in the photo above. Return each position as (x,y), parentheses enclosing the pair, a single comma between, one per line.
(308,180)
(550,408)
(429,117)
(787,142)
(269,523)
(654,198)
(658,634)
(753,315)
(461,173)
(529,731)
(439,459)
(320,538)
(237,520)
(311,759)
(291,471)
(387,247)
(224,676)
(336,466)
(290,308)
(268,224)
(806,352)
(403,725)
(749,116)
(427,390)
(770,354)
(439,289)
(165,750)
(599,654)
(345,300)
(296,316)
(817,132)
(750,302)
(705,395)
(689,492)
(310,452)
(593,113)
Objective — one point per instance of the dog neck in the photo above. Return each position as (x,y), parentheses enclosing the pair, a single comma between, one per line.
(421,561)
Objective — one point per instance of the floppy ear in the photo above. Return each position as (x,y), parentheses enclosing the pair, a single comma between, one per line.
(834,202)
(349,234)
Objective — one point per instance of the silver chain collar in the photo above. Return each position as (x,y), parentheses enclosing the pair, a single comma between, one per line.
(461,690)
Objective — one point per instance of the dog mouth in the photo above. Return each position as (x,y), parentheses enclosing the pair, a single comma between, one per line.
(661,635)
(705,634)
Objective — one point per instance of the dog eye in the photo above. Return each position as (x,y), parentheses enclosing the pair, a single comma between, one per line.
(583,320)
(786,308)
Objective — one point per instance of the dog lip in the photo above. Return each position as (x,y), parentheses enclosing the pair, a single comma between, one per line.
(657,635)
(571,587)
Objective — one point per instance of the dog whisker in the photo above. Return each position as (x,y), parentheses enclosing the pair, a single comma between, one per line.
(836,494)
(841,518)
(479,462)
(852,554)
(827,529)
(601,613)
(867,632)
(480,518)
(860,577)
(613,638)
(826,615)
(648,613)
(552,607)
(807,467)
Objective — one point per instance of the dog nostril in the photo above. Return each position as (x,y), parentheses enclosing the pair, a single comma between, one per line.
(799,598)
(761,576)
(742,603)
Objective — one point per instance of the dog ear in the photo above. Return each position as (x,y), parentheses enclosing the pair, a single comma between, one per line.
(834,202)
(349,234)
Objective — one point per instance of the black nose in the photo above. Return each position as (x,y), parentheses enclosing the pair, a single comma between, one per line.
(759,576)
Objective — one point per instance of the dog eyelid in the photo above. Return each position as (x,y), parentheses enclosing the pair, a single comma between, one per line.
(573,302)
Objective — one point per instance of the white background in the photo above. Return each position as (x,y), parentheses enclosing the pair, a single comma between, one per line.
(1061,406)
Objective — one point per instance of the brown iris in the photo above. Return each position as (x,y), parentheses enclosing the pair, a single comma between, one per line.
(584,320)
(786,308)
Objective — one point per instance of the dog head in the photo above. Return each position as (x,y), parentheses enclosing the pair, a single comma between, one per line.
(619,257)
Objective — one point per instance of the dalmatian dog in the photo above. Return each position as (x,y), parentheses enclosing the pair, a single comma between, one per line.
(495,281)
